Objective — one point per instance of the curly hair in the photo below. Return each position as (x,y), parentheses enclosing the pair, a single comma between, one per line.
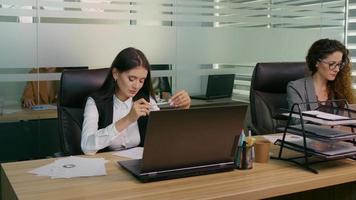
(341,87)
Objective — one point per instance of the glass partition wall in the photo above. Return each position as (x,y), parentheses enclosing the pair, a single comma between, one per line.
(350,28)
(184,39)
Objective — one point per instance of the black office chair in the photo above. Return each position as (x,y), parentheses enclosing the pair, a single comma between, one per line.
(268,94)
(163,83)
(75,86)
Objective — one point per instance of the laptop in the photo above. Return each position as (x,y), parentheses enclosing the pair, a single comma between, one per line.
(217,86)
(189,142)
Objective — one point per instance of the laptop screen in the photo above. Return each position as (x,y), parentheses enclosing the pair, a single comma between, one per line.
(192,137)
(220,85)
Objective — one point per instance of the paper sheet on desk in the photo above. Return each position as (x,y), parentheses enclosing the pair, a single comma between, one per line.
(289,137)
(134,153)
(44,107)
(72,166)
(324,115)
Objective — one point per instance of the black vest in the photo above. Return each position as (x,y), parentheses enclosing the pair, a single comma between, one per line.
(105,110)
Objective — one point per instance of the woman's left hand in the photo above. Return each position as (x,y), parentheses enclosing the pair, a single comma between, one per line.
(180,99)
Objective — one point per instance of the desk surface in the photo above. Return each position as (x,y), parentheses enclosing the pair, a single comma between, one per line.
(28,114)
(222,101)
(264,180)
(214,102)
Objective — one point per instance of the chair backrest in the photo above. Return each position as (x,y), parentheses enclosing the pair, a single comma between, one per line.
(161,84)
(75,87)
(268,92)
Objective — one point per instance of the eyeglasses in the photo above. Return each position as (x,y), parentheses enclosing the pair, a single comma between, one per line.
(333,65)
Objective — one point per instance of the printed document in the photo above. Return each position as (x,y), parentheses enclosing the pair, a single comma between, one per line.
(72,166)
(289,137)
(324,115)
(134,153)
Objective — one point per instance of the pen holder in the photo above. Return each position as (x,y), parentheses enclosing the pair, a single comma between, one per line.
(244,158)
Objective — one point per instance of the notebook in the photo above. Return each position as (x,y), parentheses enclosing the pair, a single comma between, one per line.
(182,143)
(218,86)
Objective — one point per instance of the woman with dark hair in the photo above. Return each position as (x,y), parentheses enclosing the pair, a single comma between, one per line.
(329,63)
(115,116)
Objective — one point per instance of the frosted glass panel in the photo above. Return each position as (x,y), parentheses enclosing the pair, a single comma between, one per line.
(196,37)
(241,33)
(90,45)
(18,45)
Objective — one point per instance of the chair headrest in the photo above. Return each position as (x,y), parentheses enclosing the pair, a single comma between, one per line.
(76,85)
(274,77)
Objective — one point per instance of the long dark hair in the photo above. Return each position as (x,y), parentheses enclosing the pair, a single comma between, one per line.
(127,59)
(341,87)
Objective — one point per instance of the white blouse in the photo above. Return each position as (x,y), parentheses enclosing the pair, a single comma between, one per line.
(93,139)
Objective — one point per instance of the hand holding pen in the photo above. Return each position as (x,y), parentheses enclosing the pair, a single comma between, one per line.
(180,99)
(139,108)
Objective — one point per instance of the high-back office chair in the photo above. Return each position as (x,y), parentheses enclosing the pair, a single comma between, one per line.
(268,93)
(75,86)
(161,84)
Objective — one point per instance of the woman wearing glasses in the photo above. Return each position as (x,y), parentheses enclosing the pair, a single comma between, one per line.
(329,63)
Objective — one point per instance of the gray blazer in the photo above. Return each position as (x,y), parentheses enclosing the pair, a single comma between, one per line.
(302,91)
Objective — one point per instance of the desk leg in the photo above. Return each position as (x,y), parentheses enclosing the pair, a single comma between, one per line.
(31,139)
(6,191)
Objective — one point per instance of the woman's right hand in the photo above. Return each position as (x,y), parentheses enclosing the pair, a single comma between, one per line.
(28,103)
(140,108)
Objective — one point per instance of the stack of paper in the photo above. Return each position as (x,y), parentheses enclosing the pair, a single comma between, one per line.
(324,115)
(324,118)
(72,166)
(44,107)
(289,137)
